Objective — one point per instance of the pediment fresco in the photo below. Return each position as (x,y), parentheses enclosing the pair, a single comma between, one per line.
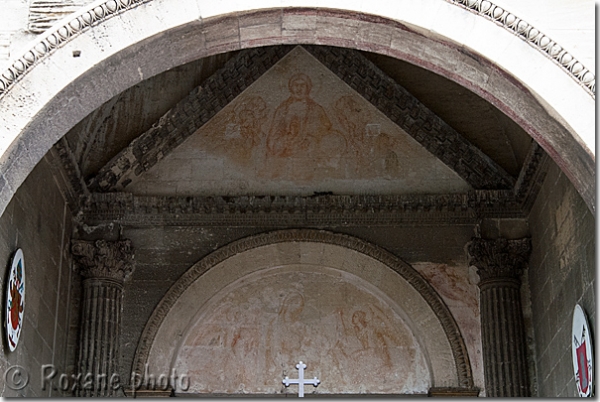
(297,130)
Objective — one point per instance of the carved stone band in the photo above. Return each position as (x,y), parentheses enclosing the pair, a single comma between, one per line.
(97,12)
(103,259)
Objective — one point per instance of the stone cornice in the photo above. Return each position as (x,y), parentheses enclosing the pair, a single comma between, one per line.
(319,210)
(531,177)
(97,12)
(75,188)
(499,259)
(418,121)
(187,116)
(103,259)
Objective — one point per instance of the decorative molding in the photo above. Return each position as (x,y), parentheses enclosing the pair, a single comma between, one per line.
(95,14)
(187,116)
(45,13)
(279,211)
(401,107)
(531,177)
(447,392)
(65,161)
(58,36)
(103,259)
(499,259)
(533,36)
(457,344)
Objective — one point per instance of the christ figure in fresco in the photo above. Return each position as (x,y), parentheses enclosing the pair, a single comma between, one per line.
(299,122)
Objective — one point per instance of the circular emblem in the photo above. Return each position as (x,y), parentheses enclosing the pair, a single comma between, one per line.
(583,363)
(15,300)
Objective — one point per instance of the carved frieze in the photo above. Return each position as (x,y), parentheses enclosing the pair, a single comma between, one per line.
(319,210)
(103,259)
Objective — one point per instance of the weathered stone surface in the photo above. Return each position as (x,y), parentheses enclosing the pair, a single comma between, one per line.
(457,285)
(38,221)
(418,121)
(275,139)
(186,117)
(238,263)
(562,273)
(103,259)
(105,266)
(500,264)
(259,326)
(499,259)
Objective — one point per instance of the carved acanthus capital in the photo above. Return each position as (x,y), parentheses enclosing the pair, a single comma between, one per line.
(500,258)
(103,259)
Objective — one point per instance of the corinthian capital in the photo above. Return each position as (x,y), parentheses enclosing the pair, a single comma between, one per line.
(103,259)
(500,258)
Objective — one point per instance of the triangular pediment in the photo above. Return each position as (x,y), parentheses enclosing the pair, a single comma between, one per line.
(304,121)
(326,138)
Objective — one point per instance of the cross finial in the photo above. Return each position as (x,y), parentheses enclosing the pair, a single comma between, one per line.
(300,380)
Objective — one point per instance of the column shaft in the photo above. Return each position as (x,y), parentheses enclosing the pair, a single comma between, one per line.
(500,263)
(105,266)
(504,353)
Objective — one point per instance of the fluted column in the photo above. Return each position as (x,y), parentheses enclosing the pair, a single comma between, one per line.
(104,266)
(500,264)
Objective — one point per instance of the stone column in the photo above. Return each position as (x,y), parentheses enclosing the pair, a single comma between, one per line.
(104,266)
(500,264)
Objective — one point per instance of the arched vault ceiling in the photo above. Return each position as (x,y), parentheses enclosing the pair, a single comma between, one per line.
(412,131)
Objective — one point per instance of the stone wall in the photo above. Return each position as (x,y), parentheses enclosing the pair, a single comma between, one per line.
(561,274)
(39,221)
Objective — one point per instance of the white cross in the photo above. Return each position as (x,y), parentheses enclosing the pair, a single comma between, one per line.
(300,381)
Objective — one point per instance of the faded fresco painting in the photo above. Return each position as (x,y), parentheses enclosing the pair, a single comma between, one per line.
(296,130)
(251,334)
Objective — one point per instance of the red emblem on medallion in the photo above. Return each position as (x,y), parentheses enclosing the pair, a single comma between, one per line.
(15,300)
(583,365)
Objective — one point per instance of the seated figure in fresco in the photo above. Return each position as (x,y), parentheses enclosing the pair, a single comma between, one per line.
(299,123)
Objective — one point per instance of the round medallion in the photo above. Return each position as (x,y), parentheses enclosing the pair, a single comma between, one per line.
(583,363)
(15,300)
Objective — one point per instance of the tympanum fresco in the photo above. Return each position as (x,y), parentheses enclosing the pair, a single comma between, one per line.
(252,333)
(299,129)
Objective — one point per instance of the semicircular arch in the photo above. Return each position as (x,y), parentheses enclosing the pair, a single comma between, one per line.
(150,37)
(287,251)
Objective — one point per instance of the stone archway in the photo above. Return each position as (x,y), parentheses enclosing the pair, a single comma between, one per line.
(339,280)
(150,37)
